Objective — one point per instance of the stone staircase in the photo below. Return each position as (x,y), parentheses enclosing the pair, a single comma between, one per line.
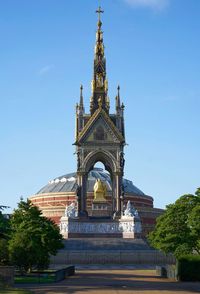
(109,244)
(110,251)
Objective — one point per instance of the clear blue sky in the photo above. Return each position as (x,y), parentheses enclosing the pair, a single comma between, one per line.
(152,51)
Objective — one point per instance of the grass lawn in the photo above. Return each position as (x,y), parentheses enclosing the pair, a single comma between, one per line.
(34,279)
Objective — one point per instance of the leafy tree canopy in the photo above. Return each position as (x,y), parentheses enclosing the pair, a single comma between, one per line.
(4,236)
(4,226)
(178,230)
(33,238)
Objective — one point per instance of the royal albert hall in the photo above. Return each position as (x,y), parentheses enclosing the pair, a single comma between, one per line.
(60,192)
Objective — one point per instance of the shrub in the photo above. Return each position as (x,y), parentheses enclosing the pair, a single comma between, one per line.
(189,268)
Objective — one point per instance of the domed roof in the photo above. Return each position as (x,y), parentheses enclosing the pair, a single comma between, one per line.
(68,183)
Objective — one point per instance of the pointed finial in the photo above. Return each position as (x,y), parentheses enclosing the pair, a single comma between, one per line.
(81,88)
(118,89)
(118,99)
(81,96)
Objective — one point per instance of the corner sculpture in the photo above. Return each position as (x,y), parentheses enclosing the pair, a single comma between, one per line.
(70,211)
(130,211)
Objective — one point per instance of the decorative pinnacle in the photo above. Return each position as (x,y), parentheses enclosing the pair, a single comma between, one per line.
(81,88)
(81,95)
(118,89)
(118,99)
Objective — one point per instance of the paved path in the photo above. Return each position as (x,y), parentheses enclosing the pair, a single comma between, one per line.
(90,281)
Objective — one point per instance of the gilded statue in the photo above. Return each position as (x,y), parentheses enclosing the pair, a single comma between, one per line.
(93,86)
(106,86)
(100,101)
(99,191)
(99,80)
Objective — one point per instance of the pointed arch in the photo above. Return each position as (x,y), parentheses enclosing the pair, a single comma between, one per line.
(100,155)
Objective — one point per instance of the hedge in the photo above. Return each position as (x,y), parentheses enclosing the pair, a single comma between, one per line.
(189,268)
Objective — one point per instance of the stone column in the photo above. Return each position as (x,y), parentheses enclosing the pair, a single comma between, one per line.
(113,195)
(82,183)
(78,197)
(122,202)
(118,190)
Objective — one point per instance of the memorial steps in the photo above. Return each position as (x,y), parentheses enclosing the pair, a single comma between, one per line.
(109,251)
(105,244)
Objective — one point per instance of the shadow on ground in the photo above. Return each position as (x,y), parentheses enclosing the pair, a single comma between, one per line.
(115,281)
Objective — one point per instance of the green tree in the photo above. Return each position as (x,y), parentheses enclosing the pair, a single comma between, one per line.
(33,238)
(4,235)
(4,254)
(194,224)
(4,224)
(176,230)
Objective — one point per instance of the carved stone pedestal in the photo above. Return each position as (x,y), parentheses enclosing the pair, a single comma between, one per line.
(132,227)
(98,228)
(101,209)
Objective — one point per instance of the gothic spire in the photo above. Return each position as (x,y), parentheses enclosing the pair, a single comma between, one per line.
(99,82)
(99,48)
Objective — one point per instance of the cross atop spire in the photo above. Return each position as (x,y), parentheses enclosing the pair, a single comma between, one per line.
(99,11)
